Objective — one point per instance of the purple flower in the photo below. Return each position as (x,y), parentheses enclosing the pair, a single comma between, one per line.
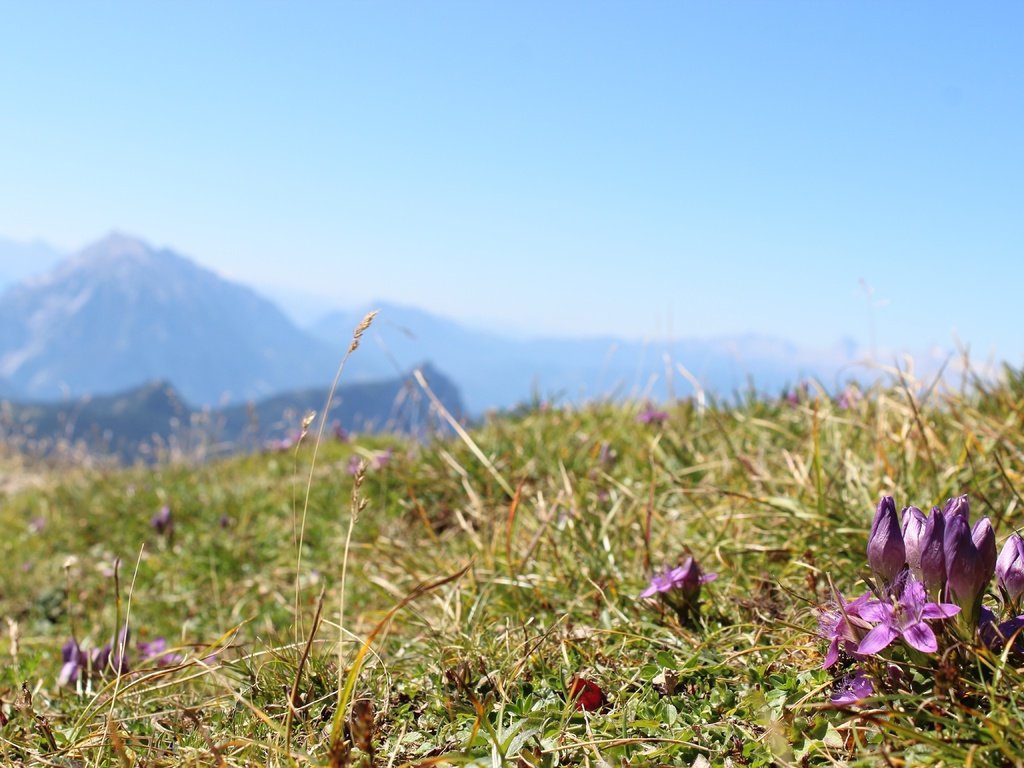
(162,522)
(651,415)
(853,688)
(994,636)
(847,399)
(83,667)
(886,551)
(842,625)
(970,562)
(906,619)
(923,538)
(914,522)
(354,463)
(958,505)
(381,459)
(74,663)
(685,579)
(793,397)
(156,651)
(1010,568)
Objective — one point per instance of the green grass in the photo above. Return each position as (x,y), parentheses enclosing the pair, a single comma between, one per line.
(476,670)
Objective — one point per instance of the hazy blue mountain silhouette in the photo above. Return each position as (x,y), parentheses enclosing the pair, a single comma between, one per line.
(120,312)
(496,371)
(21,260)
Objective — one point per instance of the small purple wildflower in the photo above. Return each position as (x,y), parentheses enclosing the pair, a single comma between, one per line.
(74,663)
(994,635)
(1010,569)
(339,433)
(905,619)
(679,588)
(970,560)
(651,415)
(846,399)
(841,624)
(923,538)
(37,524)
(162,522)
(793,397)
(853,688)
(382,459)
(354,463)
(155,651)
(686,579)
(886,551)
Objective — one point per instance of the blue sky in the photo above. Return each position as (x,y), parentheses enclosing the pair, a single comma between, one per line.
(562,168)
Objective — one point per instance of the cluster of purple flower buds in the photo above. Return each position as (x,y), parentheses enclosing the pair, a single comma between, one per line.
(930,567)
(651,415)
(949,556)
(83,668)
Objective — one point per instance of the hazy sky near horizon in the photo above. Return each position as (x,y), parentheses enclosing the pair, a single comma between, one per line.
(809,170)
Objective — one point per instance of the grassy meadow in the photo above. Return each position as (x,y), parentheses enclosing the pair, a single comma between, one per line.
(475,600)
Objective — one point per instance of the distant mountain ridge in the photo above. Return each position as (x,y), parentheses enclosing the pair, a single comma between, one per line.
(20,260)
(120,312)
(141,421)
(496,371)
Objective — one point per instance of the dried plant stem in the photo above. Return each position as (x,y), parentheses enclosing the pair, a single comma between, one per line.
(463,434)
(357,334)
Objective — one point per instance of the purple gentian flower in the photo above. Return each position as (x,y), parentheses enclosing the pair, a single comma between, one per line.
(994,636)
(843,627)
(923,538)
(933,553)
(853,688)
(156,651)
(958,505)
(162,522)
(914,522)
(651,415)
(906,619)
(970,562)
(381,459)
(683,582)
(74,663)
(1010,568)
(847,399)
(886,551)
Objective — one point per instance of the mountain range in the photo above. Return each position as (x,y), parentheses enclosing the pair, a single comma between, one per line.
(145,420)
(120,313)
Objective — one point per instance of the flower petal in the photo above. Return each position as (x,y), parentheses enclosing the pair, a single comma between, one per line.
(833,653)
(877,639)
(921,637)
(876,610)
(939,611)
